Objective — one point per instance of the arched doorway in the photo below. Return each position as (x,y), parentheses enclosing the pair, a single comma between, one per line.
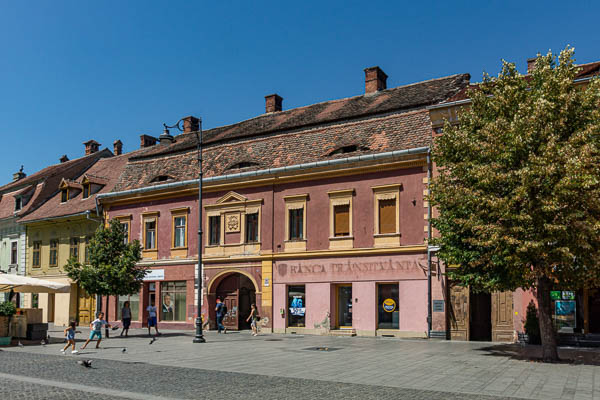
(238,292)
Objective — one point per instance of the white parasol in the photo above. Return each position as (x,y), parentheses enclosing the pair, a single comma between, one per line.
(26,284)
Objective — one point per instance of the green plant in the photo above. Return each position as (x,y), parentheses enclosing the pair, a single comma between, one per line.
(7,309)
(532,324)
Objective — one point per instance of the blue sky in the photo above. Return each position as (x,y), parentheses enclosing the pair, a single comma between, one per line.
(77,70)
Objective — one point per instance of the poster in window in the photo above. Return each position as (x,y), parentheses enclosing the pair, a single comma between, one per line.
(297,307)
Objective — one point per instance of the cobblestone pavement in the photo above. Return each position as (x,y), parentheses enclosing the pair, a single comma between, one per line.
(277,366)
(132,380)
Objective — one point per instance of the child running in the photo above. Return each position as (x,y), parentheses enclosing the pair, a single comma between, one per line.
(96,330)
(70,334)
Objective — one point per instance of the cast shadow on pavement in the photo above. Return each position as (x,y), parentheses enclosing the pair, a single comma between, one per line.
(533,353)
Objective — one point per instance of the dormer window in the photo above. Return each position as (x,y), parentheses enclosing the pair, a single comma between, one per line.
(64,195)
(161,178)
(18,203)
(243,164)
(347,149)
(86,190)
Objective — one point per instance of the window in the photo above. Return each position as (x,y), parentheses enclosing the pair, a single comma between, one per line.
(386,221)
(150,234)
(18,203)
(388,313)
(173,306)
(341,220)
(87,250)
(296,306)
(134,305)
(387,216)
(74,248)
(13,253)
(86,190)
(252,228)
(64,195)
(53,262)
(125,226)
(161,178)
(214,230)
(243,164)
(179,231)
(35,260)
(296,220)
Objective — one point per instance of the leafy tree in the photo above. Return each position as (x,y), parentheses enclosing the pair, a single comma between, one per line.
(112,269)
(518,192)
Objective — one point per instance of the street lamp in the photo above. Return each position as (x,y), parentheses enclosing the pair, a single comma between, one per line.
(199,337)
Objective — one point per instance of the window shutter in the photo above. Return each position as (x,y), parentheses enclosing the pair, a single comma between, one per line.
(341,221)
(387,216)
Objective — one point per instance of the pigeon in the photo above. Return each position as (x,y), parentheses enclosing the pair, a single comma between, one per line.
(20,344)
(85,363)
(124,350)
(153,340)
(114,328)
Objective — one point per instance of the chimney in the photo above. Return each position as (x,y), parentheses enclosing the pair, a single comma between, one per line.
(190,124)
(273,103)
(117,147)
(166,137)
(91,146)
(147,141)
(531,64)
(375,80)
(63,159)
(19,175)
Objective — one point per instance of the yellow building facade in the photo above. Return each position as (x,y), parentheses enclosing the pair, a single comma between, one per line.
(50,244)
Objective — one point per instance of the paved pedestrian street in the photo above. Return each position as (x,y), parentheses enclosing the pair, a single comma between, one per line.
(238,365)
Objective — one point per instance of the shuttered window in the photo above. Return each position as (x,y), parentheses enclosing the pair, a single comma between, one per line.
(387,216)
(341,221)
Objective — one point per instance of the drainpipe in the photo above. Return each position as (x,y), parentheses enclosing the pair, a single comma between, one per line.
(429,305)
(98,297)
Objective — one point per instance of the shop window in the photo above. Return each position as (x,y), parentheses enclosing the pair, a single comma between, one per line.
(13,253)
(179,231)
(173,305)
(214,230)
(35,259)
(53,259)
(150,234)
(388,313)
(252,228)
(297,306)
(134,305)
(86,255)
(74,248)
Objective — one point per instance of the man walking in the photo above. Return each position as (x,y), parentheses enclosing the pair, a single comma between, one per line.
(221,310)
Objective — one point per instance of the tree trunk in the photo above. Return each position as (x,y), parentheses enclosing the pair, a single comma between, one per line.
(549,349)
(106,317)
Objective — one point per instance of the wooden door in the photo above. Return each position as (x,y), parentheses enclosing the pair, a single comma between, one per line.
(86,305)
(458,313)
(230,321)
(502,317)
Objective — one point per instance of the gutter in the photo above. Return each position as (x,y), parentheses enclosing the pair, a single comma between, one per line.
(269,171)
(57,217)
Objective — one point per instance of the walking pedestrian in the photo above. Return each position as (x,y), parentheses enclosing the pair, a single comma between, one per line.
(96,330)
(70,334)
(253,318)
(151,309)
(126,318)
(221,310)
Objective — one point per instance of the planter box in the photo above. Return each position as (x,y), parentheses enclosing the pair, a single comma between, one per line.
(3,326)
(5,341)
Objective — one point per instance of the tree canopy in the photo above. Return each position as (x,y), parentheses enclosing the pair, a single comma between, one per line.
(518,190)
(112,268)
